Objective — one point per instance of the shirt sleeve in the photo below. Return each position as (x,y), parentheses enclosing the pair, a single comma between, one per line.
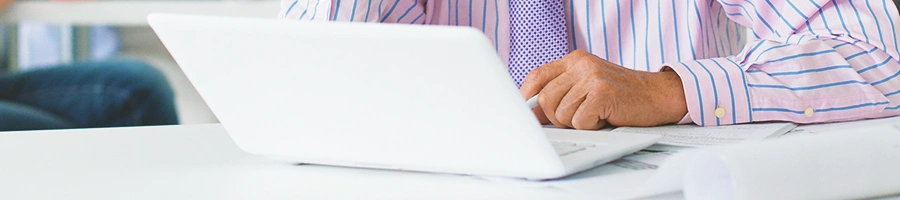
(381,11)
(306,10)
(813,61)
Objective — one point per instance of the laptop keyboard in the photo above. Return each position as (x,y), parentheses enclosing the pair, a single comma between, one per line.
(568,148)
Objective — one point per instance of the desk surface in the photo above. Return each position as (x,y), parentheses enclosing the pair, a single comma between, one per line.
(131,13)
(201,162)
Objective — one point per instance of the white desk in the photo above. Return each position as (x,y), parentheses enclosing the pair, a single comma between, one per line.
(201,162)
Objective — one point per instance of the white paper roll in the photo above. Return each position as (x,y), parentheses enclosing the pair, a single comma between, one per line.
(841,165)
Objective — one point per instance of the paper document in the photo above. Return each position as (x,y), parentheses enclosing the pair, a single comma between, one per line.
(649,172)
(846,163)
(820,128)
(641,174)
(696,136)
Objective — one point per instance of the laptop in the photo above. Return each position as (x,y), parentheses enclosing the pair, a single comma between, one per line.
(385,96)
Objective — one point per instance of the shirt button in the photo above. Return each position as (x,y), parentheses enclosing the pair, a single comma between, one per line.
(809,112)
(720,112)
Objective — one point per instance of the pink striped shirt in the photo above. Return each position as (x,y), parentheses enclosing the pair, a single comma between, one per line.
(805,62)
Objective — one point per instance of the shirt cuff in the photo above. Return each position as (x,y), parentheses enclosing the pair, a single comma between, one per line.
(715,91)
(686,119)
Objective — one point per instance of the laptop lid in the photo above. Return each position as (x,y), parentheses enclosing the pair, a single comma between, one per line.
(421,98)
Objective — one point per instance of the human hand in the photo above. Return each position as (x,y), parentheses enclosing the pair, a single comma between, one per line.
(585,92)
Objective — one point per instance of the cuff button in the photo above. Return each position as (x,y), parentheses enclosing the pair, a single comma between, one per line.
(720,112)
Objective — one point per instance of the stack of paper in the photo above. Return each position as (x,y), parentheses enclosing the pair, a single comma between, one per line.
(695,136)
(853,162)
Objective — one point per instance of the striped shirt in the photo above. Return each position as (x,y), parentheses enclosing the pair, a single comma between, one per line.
(805,61)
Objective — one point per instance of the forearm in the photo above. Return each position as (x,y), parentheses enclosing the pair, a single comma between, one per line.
(837,66)
(808,83)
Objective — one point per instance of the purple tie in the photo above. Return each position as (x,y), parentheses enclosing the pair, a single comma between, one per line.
(537,35)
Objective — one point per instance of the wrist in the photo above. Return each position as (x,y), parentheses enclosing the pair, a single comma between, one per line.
(670,96)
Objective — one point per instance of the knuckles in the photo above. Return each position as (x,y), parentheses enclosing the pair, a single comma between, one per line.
(543,99)
(536,75)
(559,114)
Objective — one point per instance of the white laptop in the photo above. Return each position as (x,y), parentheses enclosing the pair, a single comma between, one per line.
(399,97)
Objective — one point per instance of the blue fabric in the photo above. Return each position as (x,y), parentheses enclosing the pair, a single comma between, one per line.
(86,95)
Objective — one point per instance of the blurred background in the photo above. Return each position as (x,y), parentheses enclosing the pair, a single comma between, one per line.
(40,33)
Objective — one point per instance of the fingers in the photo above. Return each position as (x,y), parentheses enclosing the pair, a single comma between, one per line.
(535,82)
(553,82)
(553,93)
(589,115)
(538,78)
(570,103)
(539,113)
